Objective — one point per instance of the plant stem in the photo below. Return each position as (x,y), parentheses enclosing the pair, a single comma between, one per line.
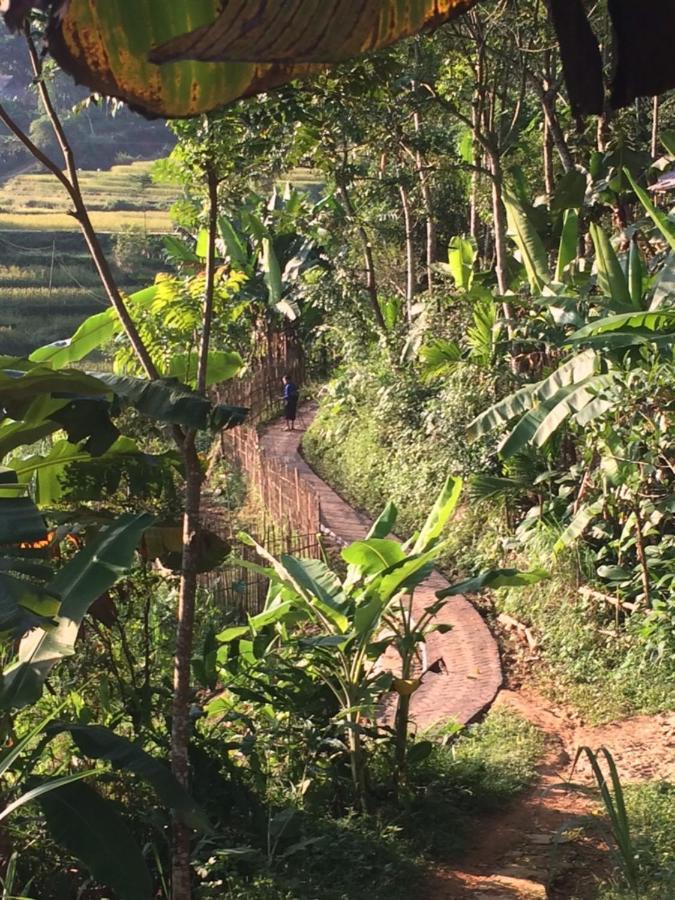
(71,183)
(180,727)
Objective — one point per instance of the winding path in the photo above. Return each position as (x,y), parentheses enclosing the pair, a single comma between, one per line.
(464,672)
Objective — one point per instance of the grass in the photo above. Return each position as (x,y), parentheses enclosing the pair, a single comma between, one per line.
(606,677)
(651,813)
(488,766)
(385,856)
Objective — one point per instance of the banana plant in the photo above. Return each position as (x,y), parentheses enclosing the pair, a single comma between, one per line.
(579,390)
(97,833)
(355,619)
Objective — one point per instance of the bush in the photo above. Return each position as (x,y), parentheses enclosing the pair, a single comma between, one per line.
(380,435)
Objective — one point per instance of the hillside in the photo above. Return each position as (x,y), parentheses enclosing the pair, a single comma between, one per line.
(48,283)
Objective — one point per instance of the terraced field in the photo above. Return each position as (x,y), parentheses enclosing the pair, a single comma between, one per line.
(48,285)
(123,197)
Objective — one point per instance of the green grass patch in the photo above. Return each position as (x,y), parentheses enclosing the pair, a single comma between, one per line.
(488,766)
(651,813)
(606,676)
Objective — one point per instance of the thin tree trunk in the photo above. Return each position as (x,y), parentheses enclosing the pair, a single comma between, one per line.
(371,283)
(475,181)
(656,110)
(477,110)
(500,230)
(181,877)
(409,253)
(181,874)
(556,132)
(547,145)
(499,221)
(427,202)
(72,185)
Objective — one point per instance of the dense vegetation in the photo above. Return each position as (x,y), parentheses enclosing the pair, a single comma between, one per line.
(482,287)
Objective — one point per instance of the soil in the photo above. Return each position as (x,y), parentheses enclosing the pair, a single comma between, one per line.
(537,847)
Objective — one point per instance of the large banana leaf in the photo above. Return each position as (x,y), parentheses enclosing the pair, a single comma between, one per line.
(442,510)
(167,400)
(46,472)
(221,365)
(494,578)
(92,830)
(461,258)
(657,321)
(79,583)
(611,277)
(374,555)
(659,218)
(92,334)
(575,398)
(146,52)
(20,388)
(98,742)
(571,372)
(526,238)
(567,251)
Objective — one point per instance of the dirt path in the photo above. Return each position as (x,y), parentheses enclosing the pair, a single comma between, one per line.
(530,849)
(463,666)
(517,852)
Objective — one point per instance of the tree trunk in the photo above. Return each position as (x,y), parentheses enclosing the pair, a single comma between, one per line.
(556,132)
(500,229)
(181,878)
(548,160)
(499,221)
(656,110)
(371,283)
(180,715)
(427,202)
(409,253)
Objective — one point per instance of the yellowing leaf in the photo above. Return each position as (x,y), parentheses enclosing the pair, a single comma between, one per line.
(406,686)
(190,56)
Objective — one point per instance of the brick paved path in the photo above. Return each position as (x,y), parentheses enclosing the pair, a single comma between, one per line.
(467,659)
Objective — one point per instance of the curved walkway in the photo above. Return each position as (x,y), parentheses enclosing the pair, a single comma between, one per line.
(464,672)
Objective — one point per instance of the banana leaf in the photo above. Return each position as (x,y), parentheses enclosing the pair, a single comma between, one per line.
(159,57)
(91,828)
(92,334)
(89,574)
(611,277)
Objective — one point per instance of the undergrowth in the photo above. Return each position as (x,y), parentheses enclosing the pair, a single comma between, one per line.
(651,813)
(384,855)
(605,671)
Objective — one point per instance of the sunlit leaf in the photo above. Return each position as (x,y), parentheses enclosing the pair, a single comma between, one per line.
(115,47)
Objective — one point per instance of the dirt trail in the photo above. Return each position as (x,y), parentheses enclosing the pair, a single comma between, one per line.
(528,850)
(516,854)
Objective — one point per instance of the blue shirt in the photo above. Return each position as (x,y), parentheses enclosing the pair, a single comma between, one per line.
(290,390)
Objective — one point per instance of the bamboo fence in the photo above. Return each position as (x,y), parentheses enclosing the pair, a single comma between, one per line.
(291,510)
(260,388)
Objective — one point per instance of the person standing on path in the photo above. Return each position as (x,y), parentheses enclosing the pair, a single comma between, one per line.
(290,402)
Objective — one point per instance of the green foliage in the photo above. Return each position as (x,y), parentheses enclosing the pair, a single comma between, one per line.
(381,438)
(613,800)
